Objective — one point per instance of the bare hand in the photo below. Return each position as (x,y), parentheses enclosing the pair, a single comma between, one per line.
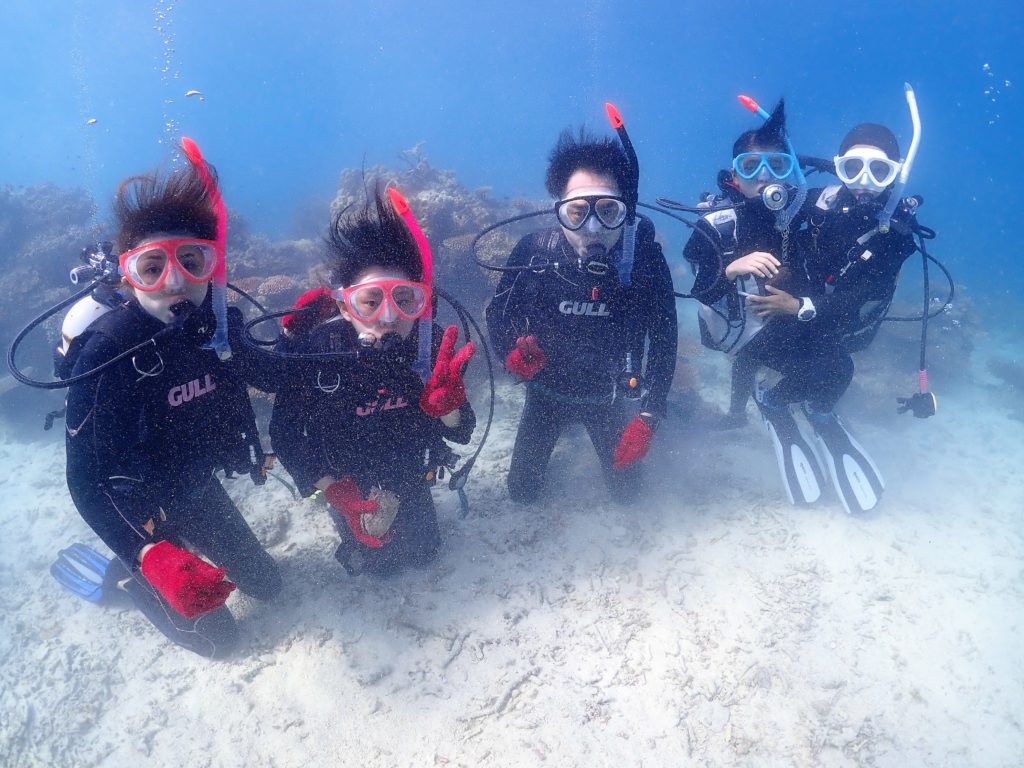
(776,304)
(757,263)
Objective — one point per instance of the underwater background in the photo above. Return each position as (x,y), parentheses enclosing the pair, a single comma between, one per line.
(717,625)
(292,93)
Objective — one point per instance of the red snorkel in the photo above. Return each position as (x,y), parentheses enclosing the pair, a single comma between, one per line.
(426,325)
(631,194)
(220,273)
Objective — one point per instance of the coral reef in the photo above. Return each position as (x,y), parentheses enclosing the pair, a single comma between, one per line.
(42,230)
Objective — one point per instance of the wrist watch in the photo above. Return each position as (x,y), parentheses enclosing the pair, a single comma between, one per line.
(807,311)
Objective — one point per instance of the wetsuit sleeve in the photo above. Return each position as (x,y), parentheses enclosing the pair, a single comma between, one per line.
(104,474)
(701,251)
(510,305)
(662,332)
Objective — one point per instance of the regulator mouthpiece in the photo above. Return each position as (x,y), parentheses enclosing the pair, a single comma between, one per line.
(775,197)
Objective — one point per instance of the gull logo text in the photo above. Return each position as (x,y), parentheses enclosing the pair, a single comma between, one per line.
(376,406)
(185,392)
(589,308)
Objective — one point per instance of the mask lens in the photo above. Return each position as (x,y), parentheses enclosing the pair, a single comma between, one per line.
(747,164)
(147,267)
(610,211)
(197,259)
(780,164)
(573,213)
(365,302)
(410,299)
(852,167)
(882,171)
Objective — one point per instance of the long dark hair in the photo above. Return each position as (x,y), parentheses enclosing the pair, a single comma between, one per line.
(374,236)
(157,203)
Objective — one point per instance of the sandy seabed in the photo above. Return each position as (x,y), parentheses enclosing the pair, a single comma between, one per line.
(712,625)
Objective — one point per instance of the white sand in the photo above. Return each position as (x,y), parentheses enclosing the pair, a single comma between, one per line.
(718,626)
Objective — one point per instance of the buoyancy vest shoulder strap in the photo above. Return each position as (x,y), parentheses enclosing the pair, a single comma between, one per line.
(827,199)
(724,223)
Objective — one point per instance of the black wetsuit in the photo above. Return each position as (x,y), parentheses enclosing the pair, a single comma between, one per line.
(852,283)
(813,357)
(810,369)
(345,417)
(144,438)
(585,324)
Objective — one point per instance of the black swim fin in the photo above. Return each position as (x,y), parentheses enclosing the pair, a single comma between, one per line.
(857,481)
(801,475)
(83,571)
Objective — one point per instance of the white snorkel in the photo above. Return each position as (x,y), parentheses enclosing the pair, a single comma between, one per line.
(901,182)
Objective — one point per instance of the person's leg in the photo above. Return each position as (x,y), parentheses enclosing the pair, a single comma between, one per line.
(605,424)
(539,428)
(218,531)
(744,373)
(819,376)
(836,374)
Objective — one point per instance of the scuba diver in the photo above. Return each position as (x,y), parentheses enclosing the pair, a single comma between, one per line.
(153,410)
(851,252)
(372,396)
(743,246)
(574,310)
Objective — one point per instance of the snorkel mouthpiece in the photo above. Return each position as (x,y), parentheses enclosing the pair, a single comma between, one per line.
(219,342)
(630,195)
(426,322)
(785,216)
(885,217)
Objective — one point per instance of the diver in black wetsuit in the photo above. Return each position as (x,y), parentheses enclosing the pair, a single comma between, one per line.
(576,333)
(850,260)
(757,241)
(849,268)
(852,267)
(145,436)
(358,422)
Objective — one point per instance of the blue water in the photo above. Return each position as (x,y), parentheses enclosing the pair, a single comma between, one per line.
(295,92)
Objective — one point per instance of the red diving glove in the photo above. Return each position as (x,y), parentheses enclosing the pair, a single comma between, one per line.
(191,585)
(634,443)
(445,391)
(320,307)
(526,359)
(346,497)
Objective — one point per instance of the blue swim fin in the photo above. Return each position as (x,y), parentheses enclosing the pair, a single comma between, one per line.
(83,571)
